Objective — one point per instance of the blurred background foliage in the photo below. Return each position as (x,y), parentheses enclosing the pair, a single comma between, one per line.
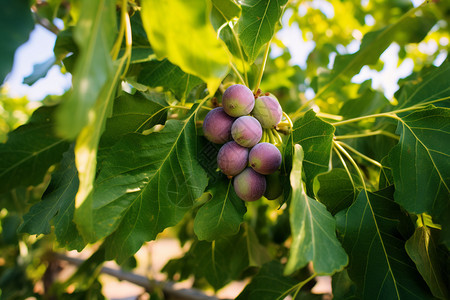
(329,29)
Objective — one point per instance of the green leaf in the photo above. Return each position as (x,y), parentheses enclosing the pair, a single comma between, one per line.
(419,162)
(423,249)
(227,8)
(257,253)
(335,190)
(39,71)
(57,207)
(86,146)
(181,31)
(221,261)
(268,284)
(431,86)
(342,286)
(9,224)
(257,23)
(94,35)
(30,150)
(140,54)
(409,28)
(379,264)
(224,11)
(163,73)
(221,215)
(313,229)
(385,178)
(147,183)
(369,102)
(16,23)
(134,113)
(316,138)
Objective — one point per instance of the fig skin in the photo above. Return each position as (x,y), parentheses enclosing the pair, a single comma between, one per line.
(249,185)
(265,158)
(232,158)
(274,187)
(268,111)
(238,100)
(246,131)
(217,126)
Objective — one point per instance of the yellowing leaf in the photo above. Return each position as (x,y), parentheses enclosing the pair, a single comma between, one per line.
(181,31)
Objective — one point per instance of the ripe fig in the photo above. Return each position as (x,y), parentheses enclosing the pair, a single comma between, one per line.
(249,185)
(268,111)
(232,158)
(238,100)
(265,158)
(246,131)
(217,126)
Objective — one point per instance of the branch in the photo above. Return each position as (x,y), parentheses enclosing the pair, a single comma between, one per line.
(149,284)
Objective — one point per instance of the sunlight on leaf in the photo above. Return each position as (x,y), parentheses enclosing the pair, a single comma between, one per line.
(181,31)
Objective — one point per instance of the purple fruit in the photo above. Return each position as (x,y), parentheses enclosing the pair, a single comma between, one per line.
(232,158)
(249,185)
(265,158)
(268,111)
(217,126)
(238,100)
(246,131)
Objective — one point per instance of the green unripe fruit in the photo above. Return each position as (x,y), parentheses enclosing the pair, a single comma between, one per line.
(274,187)
(268,111)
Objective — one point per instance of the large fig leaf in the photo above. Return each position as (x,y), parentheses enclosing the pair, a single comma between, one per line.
(147,183)
(57,207)
(316,137)
(419,162)
(313,229)
(94,35)
(257,23)
(221,215)
(423,249)
(182,32)
(379,264)
(30,150)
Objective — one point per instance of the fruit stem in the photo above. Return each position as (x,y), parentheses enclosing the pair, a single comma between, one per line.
(116,47)
(297,287)
(237,73)
(346,168)
(388,115)
(288,119)
(352,161)
(240,52)
(263,66)
(329,116)
(367,134)
(376,163)
(271,137)
(128,42)
(278,139)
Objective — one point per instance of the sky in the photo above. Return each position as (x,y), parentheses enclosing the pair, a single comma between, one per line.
(39,48)
(36,50)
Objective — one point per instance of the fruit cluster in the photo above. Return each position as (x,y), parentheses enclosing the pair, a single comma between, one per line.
(246,127)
